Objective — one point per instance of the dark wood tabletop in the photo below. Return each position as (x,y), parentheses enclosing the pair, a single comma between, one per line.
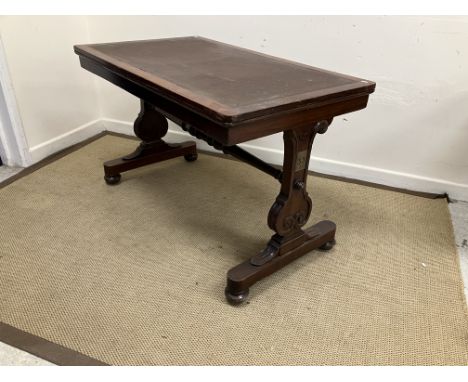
(225,82)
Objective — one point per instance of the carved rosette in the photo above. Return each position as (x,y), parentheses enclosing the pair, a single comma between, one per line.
(287,217)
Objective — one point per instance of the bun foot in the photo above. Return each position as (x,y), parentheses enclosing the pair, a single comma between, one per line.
(328,245)
(112,179)
(191,157)
(238,298)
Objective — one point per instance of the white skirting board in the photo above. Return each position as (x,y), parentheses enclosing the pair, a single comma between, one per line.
(406,181)
(401,180)
(68,139)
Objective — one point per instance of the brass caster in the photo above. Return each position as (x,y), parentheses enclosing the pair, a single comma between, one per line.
(238,298)
(328,245)
(112,179)
(191,157)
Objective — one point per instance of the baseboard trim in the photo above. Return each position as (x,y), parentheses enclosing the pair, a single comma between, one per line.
(349,171)
(68,139)
(51,158)
(328,167)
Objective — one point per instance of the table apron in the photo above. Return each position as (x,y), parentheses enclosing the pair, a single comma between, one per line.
(226,134)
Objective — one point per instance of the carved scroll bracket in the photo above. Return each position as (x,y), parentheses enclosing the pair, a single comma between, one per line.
(293,205)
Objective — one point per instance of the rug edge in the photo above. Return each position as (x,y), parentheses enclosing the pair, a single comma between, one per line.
(45,349)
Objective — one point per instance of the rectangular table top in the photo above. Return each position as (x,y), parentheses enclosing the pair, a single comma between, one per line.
(226,83)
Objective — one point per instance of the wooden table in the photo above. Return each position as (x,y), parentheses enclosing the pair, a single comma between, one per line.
(226,95)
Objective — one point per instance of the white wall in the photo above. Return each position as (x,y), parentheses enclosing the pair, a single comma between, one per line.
(414,132)
(56,99)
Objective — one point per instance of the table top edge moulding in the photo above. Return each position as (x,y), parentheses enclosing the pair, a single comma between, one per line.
(216,110)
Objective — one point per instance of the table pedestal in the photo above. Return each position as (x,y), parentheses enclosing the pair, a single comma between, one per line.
(287,216)
(150,126)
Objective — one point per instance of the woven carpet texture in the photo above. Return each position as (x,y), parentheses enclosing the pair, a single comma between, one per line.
(134,274)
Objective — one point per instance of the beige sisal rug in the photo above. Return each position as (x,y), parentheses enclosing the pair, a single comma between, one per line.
(134,274)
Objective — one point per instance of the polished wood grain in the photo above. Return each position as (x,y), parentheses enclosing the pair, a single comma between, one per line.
(226,95)
(227,83)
